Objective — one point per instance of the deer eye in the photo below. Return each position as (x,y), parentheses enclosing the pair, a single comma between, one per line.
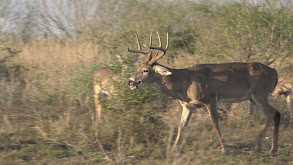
(145,71)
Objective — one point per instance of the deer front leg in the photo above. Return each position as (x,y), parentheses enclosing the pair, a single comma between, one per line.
(212,109)
(185,117)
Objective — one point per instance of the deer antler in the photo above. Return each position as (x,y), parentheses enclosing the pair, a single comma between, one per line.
(158,56)
(139,50)
(151,60)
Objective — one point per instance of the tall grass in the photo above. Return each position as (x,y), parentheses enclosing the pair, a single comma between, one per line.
(50,119)
(55,120)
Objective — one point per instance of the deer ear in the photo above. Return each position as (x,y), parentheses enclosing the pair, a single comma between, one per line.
(162,70)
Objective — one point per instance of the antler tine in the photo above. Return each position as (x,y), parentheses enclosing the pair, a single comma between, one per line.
(167,46)
(138,43)
(160,43)
(151,40)
(138,47)
(158,56)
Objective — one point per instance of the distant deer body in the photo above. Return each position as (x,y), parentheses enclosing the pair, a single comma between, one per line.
(204,85)
(102,87)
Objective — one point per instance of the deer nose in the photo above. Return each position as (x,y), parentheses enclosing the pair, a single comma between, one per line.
(131,81)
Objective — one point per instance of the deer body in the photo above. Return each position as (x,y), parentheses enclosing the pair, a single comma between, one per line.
(203,85)
(204,81)
(102,87)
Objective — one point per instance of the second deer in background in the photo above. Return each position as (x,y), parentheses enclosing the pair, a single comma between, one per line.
(103,87)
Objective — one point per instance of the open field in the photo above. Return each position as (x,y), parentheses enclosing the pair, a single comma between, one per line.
(51,120)
(48,55)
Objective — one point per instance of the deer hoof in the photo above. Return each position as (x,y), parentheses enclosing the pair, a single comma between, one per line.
(223,150)
(273,150)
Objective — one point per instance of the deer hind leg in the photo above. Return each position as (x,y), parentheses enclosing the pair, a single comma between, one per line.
(212,109)
(185,117)
(272,115)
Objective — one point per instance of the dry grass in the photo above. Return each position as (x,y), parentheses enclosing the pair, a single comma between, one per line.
(54,122)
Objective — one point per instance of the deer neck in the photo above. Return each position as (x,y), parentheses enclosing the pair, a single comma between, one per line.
(164,83)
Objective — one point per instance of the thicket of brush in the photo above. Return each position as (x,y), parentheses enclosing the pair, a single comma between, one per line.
(47,107)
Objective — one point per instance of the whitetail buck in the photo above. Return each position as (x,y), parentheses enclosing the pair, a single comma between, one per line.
(103,86)
(203,85)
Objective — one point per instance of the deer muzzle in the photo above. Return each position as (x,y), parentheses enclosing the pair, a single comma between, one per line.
(134,84)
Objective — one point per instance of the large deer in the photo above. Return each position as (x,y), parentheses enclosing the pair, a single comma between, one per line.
(203,85)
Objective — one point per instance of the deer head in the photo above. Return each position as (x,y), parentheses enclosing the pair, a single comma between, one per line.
(149,71)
